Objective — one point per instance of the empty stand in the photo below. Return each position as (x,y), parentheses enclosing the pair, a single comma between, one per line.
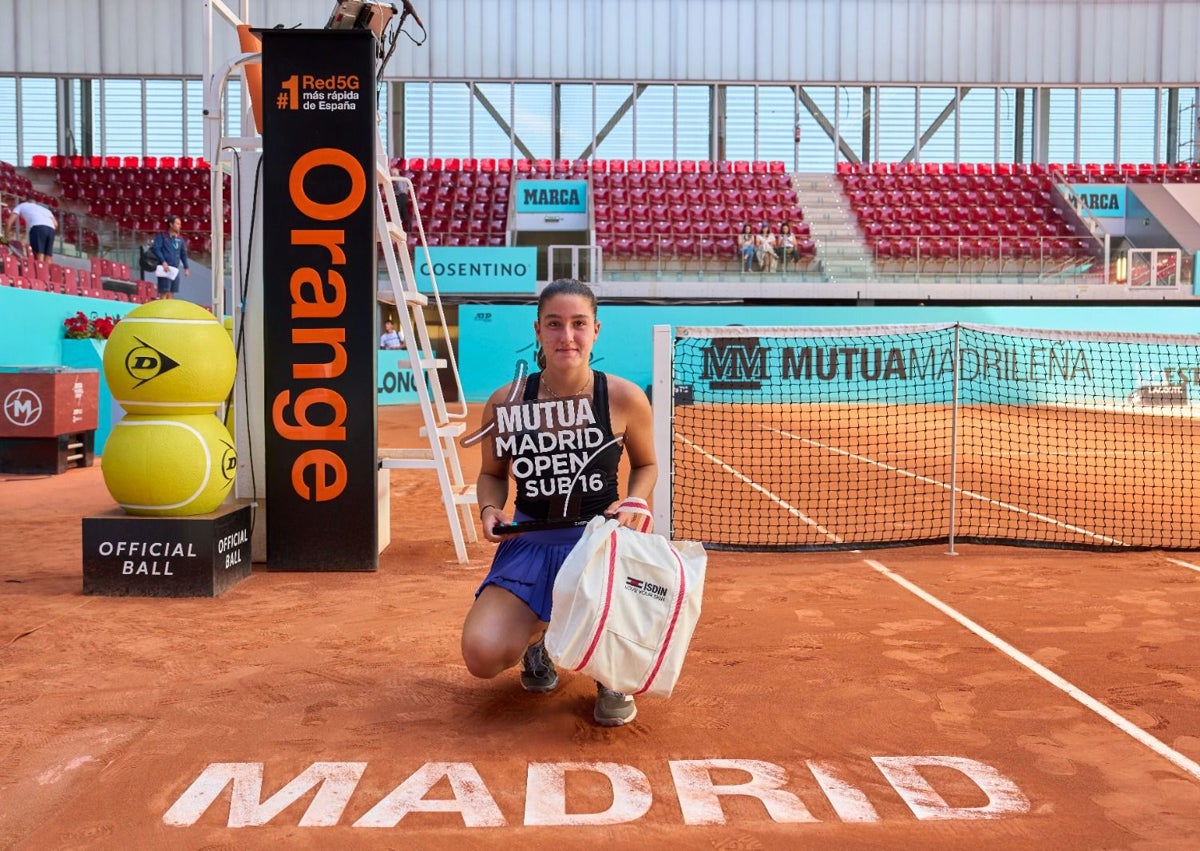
(964,217)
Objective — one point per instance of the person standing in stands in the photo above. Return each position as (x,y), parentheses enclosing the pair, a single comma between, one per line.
(390,338)
(40,225)
(171,249)
(404,202)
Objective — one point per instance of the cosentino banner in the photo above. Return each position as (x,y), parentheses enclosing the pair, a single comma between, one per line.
(319,287)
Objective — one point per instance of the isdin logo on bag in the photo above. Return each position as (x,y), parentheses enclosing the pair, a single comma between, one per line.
(646,589)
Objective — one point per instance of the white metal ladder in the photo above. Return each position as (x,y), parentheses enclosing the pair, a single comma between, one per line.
(440,427)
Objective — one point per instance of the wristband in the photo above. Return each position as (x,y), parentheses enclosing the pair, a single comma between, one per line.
(484,508)
(635,505)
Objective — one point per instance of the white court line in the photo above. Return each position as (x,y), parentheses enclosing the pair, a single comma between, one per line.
(1186,564)
(1046,674)
(775,499)
(1045,519)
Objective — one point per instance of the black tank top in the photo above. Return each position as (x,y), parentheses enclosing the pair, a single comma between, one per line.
(568,456)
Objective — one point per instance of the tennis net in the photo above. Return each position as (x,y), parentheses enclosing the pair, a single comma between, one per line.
(848,437)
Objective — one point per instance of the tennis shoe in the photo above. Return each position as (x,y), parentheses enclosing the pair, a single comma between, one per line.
(613,708)
(537,670)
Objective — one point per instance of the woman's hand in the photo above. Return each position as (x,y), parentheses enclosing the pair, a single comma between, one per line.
(632,513)
(490,517)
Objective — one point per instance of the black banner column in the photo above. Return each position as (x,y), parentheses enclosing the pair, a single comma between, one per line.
(319,283)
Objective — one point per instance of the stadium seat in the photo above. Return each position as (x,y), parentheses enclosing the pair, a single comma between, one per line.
(645,248)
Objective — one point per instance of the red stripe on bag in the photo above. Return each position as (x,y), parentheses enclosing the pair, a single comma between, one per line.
(671,628)
(612,569)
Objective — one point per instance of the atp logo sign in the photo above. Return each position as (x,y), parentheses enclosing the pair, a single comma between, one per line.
(22,407)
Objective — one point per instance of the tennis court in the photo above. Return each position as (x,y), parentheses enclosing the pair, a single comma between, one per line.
(830,475)
(1003,697)
(793,438)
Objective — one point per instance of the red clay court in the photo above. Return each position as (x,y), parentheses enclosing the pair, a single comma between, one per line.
(1000,698)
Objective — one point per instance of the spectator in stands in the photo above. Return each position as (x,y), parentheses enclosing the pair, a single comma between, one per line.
(40,225)
(171,249)
(746,247)
(789,248)
(765,244)
(391,338)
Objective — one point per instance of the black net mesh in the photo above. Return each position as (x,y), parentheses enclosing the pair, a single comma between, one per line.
(792,438)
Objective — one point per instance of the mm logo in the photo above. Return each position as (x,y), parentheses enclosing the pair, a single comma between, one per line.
(22,407)
(736,364)
(145,362)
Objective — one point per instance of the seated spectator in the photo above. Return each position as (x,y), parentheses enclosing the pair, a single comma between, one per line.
(765,244)
(789,246)
(746,246)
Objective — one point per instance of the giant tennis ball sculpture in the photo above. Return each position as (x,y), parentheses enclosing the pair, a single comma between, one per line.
(169,466)
(169,357)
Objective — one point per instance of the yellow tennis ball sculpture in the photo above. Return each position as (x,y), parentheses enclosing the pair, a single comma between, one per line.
(169,466)
(169,357)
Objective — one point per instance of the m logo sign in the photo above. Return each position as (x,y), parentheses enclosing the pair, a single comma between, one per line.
(22,407)
(735,364)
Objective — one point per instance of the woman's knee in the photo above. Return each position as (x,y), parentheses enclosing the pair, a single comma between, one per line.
(487,657)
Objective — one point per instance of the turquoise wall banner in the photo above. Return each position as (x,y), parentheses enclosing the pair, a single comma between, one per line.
(478,269)
(37,338)
(917,364)
(551,196)
(396,385)
(495,339)
(1104,200)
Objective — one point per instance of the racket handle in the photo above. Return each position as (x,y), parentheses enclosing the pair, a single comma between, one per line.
(540,525)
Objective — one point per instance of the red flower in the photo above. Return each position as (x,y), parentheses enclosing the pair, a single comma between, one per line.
(80,327)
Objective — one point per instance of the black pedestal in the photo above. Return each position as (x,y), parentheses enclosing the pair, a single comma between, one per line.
(46,456)
(199,556)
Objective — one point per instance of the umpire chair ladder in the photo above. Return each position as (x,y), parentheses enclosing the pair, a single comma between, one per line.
(440,426)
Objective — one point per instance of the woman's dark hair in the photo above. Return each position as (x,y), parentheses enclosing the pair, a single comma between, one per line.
(562,286)
(566,286)
(747,227)
(787,225)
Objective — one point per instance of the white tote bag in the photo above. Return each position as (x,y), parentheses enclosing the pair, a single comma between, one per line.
(625,606)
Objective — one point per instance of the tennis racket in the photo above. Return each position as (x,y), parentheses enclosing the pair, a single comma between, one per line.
(540,525)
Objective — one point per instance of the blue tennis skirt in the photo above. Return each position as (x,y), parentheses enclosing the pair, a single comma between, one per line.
(527,564)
